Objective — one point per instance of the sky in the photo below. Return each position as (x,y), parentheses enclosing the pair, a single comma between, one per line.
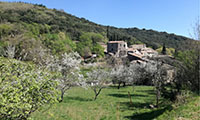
(172,16)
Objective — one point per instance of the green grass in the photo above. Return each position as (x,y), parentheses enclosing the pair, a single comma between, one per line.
(188,111)
(112,104)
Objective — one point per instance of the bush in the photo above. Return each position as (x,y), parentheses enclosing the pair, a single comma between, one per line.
(24,89)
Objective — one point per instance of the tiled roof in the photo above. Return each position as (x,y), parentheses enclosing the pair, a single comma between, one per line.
(137,46)
(131,49)
(116,42)
(136,55)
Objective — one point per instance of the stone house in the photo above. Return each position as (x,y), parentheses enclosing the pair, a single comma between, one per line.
(133,53)
(118,48)
(142,50)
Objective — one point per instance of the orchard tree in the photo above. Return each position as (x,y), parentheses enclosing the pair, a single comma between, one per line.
(159,78)
(98,79)
(126,74)
(69,67)
(119,75)
(158,72)
(24,89)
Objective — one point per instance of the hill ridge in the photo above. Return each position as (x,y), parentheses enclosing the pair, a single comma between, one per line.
(59,21)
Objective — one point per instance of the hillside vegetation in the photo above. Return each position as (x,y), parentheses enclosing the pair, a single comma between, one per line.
(34,27)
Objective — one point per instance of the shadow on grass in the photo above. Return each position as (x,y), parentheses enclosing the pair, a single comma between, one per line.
(135,105)
(149,115)
(116,87)
(68,98)
(126,95)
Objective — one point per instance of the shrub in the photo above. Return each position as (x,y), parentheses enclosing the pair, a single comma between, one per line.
(24,89)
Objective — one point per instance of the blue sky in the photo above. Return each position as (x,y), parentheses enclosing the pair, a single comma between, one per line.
(172,16)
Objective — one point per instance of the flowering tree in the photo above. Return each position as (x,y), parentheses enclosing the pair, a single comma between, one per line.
(24,88)
(158,79)
(98,79)
(157,71)
(69,67)
(126,74)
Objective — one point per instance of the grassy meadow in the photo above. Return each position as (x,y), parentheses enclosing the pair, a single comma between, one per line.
(188,111)
(112,104)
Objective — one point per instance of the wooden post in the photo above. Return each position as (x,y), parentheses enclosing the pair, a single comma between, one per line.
(130,98)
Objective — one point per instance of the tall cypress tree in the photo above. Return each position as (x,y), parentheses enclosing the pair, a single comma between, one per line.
(111,38)
(108,34)
(164,52)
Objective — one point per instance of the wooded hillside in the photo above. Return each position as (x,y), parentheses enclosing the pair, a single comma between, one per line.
(29,26)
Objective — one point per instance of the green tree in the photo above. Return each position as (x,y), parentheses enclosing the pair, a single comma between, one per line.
(5,29)
(97,80)
(89,44)
(190,59)
(98,49)
(24,89)
(59,43)
(169,51)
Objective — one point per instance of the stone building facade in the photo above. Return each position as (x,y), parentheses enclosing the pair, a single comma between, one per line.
(118,48)
(134,52)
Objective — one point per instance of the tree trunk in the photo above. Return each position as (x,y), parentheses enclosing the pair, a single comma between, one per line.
(124,84)
(157,98)
(97,93)
(119,85)
(95,97)
(61,96)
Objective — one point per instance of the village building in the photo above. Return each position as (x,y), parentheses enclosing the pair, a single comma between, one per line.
(148,52)
(138,46)
(134,56)
(137,52)
(142,51)
(117,48)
